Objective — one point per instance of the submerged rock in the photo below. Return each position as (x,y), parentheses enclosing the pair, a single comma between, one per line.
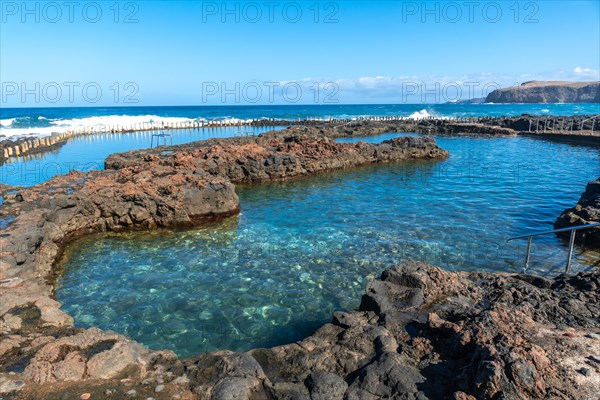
(420,332)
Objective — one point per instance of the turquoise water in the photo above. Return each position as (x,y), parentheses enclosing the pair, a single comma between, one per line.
(304,248)
(86,153)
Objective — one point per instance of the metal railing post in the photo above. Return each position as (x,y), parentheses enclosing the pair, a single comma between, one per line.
(573,231)
(528,252)
(571,244)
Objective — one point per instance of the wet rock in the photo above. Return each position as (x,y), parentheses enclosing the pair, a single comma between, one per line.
(586,211)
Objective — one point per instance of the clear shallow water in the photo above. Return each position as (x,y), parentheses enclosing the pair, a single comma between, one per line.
(304,248)
(86,153)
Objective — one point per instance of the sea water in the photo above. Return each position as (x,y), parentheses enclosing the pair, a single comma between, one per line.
(44,121)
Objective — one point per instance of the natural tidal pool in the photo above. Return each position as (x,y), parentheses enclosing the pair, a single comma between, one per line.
(304,248)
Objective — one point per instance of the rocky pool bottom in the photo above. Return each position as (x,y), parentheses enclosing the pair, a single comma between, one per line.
(415,328)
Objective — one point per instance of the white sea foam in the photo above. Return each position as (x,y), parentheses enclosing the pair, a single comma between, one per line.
(135,121)
(16,133)
(75,124)
(7,122)
(422,114)
(116,120)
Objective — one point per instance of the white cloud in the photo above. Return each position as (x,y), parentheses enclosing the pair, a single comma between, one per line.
(586,72)
(430,88)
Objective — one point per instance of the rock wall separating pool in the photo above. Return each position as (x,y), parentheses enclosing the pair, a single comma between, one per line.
(420,332)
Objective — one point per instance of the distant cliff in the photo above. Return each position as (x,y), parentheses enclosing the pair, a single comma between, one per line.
(548,92)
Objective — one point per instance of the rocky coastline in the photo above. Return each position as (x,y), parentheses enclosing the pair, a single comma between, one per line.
(419,332)
(547,92)
(578,127)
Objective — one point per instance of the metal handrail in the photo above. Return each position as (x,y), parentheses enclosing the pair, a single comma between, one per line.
(244,133)
(572,229)
(158,136)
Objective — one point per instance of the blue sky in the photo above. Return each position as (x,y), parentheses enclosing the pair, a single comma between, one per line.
(193,53)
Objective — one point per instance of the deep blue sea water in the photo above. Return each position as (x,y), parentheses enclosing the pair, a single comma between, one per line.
(295,111)
(304,248)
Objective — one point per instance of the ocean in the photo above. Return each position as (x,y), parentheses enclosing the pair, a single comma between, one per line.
(18,122)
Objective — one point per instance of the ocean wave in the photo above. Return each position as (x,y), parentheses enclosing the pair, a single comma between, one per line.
(119,120)
(7,122)
(26,126)
(422,114)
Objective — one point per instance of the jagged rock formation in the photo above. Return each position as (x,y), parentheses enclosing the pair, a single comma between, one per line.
(586,211)
(275,156)
(547,92)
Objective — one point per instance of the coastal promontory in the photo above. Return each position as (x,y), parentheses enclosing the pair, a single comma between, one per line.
(547,92)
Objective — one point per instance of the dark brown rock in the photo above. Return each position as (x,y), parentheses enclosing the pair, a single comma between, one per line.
(586,211)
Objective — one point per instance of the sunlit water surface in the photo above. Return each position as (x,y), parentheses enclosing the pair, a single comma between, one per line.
(304,248)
